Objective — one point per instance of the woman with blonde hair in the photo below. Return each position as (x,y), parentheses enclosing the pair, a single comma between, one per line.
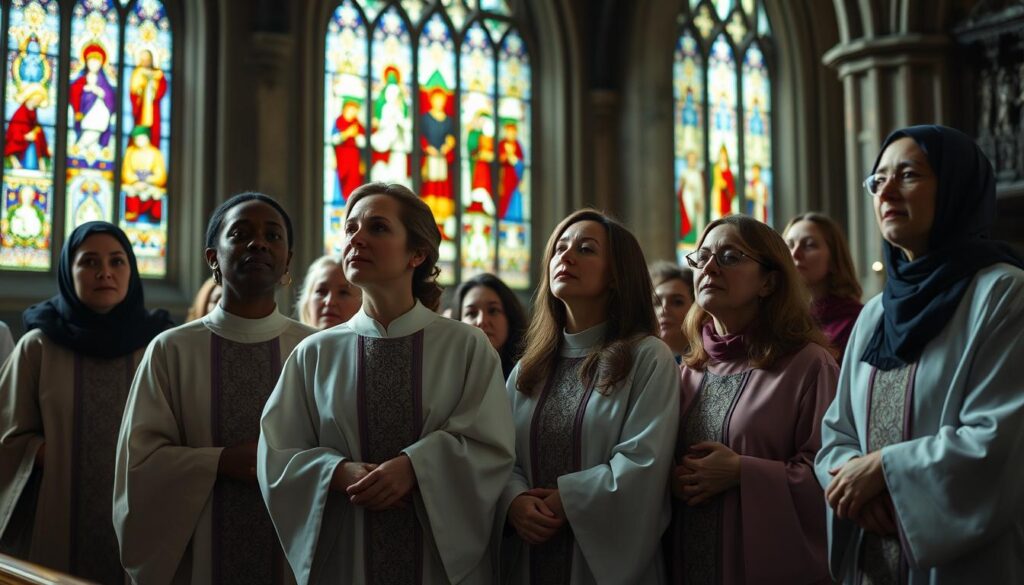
(756,380)
(206,300)
(388,438)
(594,399)
(327,298)
(822,257)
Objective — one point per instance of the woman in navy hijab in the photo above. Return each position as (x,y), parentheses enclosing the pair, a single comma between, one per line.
(921,448)
(62,393)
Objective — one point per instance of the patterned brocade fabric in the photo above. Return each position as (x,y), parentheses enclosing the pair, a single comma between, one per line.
(389,421)
(245,544)
(555,444)
(880,556)
(101,389)
(706,421)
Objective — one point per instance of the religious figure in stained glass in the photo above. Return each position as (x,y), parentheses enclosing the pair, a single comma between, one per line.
(757,194)
(511,157)
(92,100)
(25,221)
(349,139)
(146,88)
(723,186)
(437,139)
(690,196)
(391,140)
(25,144)
(143,177)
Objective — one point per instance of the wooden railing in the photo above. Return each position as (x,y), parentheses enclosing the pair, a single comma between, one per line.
(18,572)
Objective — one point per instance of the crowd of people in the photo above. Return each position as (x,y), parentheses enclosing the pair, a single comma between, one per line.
(742,419)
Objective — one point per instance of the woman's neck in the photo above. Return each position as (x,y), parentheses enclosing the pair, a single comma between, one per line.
(582,314)
(384,306)
(736,321)
(255,307)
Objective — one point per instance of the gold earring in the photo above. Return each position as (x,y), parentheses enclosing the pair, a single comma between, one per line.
(217,278)
(289,281)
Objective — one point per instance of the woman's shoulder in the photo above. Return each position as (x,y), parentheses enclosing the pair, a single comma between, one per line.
(651,347)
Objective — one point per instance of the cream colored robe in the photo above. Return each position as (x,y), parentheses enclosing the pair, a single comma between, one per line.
(166,456)
(461,447)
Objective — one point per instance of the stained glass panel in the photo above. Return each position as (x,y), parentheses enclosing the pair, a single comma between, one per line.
(513,152)
(688,84)
(92,113)
(30,95)
(437,136)
(478,132)
(748,7)
(456,12)
(345,90)
(722,7)
(757,146)
(723,128)
(413,8)
(371,8)
(497,28)
(498,6)
(146,141)
(763,26)
(391,108)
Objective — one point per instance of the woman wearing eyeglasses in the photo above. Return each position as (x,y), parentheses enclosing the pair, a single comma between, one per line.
(921,449)
(756,379)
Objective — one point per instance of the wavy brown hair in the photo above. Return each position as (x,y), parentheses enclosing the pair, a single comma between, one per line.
(842,276)
(783,323)
(630,313)
(421,234)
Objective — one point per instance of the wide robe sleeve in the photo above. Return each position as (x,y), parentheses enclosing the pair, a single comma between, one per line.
(839,444)
(518,482)
(21,424)
(463,466)
(294,471)
(618,510)
(161,487)
(783,498)
(962,486)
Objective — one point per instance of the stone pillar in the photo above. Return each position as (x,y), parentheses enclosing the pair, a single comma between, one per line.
(889,81)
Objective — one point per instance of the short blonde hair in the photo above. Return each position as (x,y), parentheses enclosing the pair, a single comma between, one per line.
(301,310)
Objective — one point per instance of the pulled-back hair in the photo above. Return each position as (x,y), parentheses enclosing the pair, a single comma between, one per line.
(842,276)
(783,323)
(513,346)
(663,271)
(630,315)
(421,234)
(217,219)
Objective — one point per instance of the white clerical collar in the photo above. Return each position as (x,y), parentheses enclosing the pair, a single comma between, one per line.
(413,320)
(582,343)
(242,330)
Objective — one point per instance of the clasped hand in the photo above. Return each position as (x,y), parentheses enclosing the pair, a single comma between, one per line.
(858,493)
(708,469)
(537,515)
(376,487)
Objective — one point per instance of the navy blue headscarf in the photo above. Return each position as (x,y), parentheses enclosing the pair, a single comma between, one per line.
(921,295)
(69,323)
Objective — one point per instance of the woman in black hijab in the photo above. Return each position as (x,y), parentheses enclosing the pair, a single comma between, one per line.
(921,447)
(62,393)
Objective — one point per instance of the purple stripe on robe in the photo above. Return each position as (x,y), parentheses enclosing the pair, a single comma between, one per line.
(389,406)
(100,392)
(245,546)
(556,450)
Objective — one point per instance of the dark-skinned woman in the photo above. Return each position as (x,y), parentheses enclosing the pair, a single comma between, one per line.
(63,390)
(186,505)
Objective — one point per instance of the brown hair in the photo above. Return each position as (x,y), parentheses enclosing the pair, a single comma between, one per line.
(663,271)
(783,323)
(421,232)
(842,276)
(630,313)
(198,308)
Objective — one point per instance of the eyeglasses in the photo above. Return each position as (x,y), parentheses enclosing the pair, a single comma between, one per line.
(905,179)
(725,258)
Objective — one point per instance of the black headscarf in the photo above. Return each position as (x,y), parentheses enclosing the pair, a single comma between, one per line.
(69,323)
(921,295)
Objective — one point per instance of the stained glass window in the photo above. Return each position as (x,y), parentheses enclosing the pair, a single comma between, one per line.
(112,161)
(722,134)
(434,94)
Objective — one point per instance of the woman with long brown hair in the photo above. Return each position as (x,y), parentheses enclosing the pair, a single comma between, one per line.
(823,259)
(593,399)
(388,439)
(756,380)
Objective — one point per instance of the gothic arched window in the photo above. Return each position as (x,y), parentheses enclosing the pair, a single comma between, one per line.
(435,95)
(86,111)
(722,123)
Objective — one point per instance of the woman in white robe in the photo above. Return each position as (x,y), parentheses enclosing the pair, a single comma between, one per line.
(595,400)
(388,439)
(186,505)
(63,390)
(922,448)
